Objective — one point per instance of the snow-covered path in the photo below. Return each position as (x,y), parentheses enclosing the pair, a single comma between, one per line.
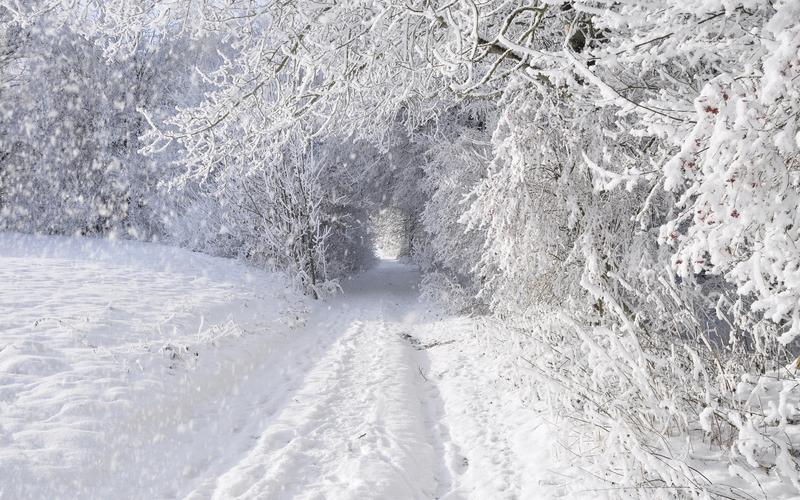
(356,425)
(200,378)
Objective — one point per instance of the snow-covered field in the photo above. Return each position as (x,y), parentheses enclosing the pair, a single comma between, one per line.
(115,360)
(141,371)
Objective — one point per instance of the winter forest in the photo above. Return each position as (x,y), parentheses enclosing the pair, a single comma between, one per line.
(463,249)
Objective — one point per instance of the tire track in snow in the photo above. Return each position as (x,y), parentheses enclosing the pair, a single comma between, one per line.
(452,463)
(356,429)
(243,413)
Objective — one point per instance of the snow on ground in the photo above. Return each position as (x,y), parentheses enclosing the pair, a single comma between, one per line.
(496,442)
(141,371)
(105,351)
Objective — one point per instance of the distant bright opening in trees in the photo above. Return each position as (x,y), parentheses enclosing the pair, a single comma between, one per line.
(391,231)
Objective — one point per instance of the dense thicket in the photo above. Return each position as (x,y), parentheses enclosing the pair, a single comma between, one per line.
(616,182)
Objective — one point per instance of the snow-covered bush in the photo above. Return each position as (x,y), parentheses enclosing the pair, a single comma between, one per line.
(441,288)
(70,137)
(452,169)
(589,230)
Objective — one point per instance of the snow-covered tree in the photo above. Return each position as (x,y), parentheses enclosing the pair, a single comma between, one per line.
(71,140)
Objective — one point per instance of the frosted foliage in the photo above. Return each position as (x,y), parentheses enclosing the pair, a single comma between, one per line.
(391,234)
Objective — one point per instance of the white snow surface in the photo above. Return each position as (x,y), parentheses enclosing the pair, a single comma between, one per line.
(132,370)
